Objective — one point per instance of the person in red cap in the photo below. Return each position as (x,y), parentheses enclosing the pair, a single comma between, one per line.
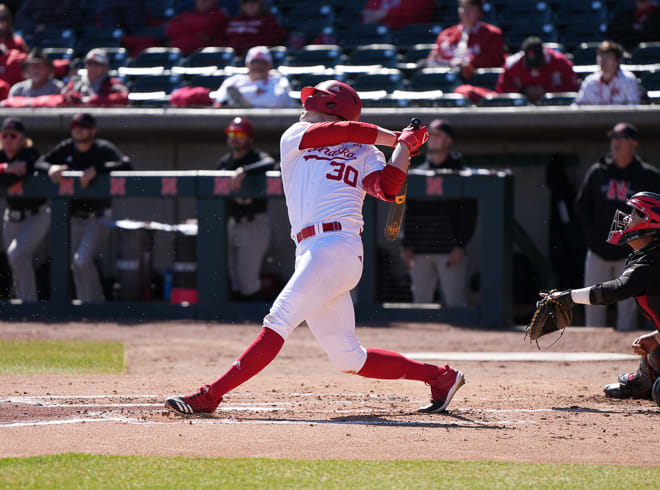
(260,87)
(95,86)
(606,187)
(329,164)
(248,229)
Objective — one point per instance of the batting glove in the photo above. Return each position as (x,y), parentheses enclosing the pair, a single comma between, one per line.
(413,138)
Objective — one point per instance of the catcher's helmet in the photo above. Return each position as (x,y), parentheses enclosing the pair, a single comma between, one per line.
(647,207)
(332,97)
(240,125)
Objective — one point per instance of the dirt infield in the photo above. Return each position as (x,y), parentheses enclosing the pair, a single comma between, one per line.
(299,407)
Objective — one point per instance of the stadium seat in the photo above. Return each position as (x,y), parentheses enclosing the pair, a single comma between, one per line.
(157,57)
(504,100)
(95,37)
(58,53)
(410,35)
(585,54)
(311,20)
(279,54)
(651,80)
(54,38)
(212,82)
(645,54)
(387,79)
(515,32)
(485,77)
(315,79)
(444,79)
(117,56)
(360,34)
(417,52)
(523,11)
(211,56)
(384,55)
(157,83)
(558,98)
(316,54)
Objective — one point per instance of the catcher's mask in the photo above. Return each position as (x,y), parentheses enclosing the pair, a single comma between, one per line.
(624,229)
(332,97)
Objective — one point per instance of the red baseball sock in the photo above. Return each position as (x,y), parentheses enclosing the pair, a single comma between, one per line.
(383,364)
(256,357)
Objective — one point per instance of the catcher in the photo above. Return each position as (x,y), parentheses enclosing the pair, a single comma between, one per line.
(641,279)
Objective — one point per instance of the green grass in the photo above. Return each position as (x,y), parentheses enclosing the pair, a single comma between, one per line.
(60,357)
(85,471)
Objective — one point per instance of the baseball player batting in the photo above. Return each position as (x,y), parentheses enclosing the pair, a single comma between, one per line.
(329,163)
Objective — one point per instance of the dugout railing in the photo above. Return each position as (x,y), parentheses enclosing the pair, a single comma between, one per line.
(210,190)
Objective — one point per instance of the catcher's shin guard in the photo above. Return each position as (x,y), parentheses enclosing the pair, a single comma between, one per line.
(631,385)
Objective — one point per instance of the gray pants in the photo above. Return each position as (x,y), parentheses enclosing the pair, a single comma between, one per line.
(431,270)
(21,239)
(248,243)
(87,237)
(598,270)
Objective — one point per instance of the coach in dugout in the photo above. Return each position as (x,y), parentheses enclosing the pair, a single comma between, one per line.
(248,230)
(84,152)
(608,184)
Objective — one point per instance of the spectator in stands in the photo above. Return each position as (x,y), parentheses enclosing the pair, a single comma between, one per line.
(26,220)
(255,26)
(11,67)
(610,85)
(8,37)
(436,231)
(95,87)
(469,45)
(535,70)
(261,87)
(84,152)
(204,26)
(36,15)
(605,188)
(38,71)
(248,230)
(635,25)
(398,13)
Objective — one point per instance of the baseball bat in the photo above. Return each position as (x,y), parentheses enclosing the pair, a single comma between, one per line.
(398,207)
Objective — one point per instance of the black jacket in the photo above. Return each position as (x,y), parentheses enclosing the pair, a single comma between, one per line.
(436,226)
(254,163)
(103,155)
(640,279)
(605,189)
(29,156)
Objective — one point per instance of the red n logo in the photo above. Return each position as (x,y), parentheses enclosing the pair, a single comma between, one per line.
(221,186)
(66,186)
(16,189)
(118,186)
(617,190)
(168,186)
(434,186)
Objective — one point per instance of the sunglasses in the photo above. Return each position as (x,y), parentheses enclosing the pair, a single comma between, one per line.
(236,134)
(7,135)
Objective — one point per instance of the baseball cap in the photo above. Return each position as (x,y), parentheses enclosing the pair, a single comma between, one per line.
(442,125)
(624,129)
(240,124)
(99,56)
(36,55)
(13,124)
(532,49)
(84,119)
(258,53)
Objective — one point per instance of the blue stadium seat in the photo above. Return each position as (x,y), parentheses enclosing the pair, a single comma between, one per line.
(410,35)
(279,54)
(356,34)
(444,79)
(315,79)
(558,98)
(58,53)
(316,54)
(117,56)
(504,100)
(585,54)
(211,56)
(156,83)
(54,38)
(387,79)
(158,56)
(417,52)
(310,20)
(651,80)
(374,54)
(211,82)
(485,77)
(515,32)
(96,37)
(645,54)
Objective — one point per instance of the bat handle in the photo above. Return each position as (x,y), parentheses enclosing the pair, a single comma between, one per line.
(415,122)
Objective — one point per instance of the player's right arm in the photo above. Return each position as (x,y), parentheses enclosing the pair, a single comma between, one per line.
(330,133)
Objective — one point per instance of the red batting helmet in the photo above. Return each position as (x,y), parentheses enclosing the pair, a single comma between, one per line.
(241,125)
(647,207)
(332,97)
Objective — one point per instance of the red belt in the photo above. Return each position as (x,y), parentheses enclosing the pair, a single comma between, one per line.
(311,230)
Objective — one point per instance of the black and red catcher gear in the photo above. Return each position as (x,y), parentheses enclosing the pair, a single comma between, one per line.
(647,206)
(332,97)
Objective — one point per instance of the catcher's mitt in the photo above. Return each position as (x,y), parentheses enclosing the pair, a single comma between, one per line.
(552,314)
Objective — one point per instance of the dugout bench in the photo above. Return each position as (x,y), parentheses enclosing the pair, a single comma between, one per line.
(494,190)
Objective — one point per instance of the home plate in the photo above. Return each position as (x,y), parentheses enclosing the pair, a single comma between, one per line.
(521,356)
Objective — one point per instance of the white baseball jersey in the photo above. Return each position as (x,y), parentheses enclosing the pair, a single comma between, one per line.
(623,89)
(324,184)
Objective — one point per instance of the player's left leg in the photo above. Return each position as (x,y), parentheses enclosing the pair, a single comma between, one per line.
(334,329)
